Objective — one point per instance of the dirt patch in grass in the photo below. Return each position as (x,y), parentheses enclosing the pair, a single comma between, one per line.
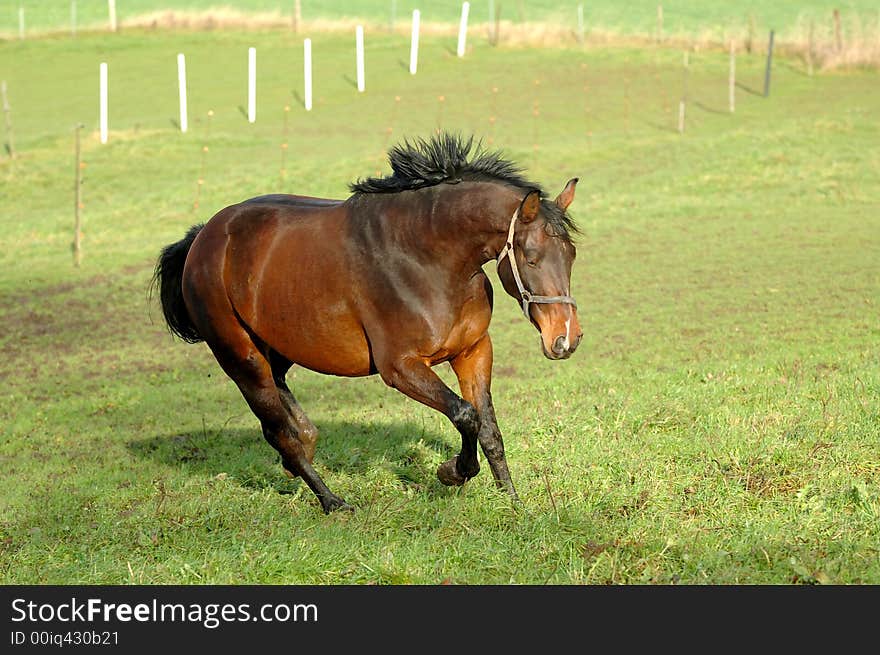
(53,290)
(85,320)
(763,478)
(505,371)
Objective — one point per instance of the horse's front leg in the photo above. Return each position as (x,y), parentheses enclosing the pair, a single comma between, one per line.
(474,370)
(412,376)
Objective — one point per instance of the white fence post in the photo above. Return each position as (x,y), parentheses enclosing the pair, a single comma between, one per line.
(414,44)
(103,101)
(307,72)
(252,85)
(359,46)
(181,84)
(580,24)
(462,28)
(297,16)
(111,10)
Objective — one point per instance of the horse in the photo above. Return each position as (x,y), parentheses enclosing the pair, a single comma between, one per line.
(389,281)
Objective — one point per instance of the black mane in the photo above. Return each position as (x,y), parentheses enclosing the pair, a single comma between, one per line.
(450,158)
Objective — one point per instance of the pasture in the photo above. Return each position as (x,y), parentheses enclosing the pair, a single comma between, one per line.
(718,424)
(691,18)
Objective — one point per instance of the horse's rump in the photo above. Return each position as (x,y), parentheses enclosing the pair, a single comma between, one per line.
(284,274)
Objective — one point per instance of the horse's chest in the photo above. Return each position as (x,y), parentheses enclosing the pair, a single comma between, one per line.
(469,325)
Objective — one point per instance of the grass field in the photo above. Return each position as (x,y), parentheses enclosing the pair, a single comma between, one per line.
(638,16)
(719,423)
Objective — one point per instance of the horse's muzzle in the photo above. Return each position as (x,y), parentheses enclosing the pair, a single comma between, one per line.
(562,347)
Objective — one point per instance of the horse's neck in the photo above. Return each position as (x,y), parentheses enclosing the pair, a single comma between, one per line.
(472,217)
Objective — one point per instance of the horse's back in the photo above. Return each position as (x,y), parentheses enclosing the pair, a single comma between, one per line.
(287,200)
(278,240)
(281,264)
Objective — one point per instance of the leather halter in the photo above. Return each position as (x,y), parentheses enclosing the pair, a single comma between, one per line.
(526,295)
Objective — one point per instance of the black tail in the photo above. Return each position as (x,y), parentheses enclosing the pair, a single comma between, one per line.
(167,279)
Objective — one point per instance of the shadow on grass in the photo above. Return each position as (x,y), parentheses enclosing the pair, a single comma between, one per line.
(408,451)
(794,68)
(711,110)
(747,89)
(661,127)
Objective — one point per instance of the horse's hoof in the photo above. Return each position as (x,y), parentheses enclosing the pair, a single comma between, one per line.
(335,503)
(448,473)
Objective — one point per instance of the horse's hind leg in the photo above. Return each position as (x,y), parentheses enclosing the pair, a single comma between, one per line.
(250,370)
(306,431)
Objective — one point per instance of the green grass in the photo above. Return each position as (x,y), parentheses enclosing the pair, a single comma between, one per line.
(639,16)
(718,424)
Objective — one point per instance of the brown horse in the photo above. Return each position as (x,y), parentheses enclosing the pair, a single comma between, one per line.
(389,281)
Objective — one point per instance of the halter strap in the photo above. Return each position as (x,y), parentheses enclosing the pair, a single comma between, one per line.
(526,295)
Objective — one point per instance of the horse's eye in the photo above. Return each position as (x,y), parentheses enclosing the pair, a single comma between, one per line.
(532,263)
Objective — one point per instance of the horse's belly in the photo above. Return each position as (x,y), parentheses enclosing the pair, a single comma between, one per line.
(328,341)
(341,354)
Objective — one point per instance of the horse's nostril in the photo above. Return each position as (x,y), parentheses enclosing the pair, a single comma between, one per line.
(559,345)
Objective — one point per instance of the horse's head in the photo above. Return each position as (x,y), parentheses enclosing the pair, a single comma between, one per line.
(535,268)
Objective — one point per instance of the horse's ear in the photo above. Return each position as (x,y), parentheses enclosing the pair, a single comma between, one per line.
(563,200)
(528,210)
